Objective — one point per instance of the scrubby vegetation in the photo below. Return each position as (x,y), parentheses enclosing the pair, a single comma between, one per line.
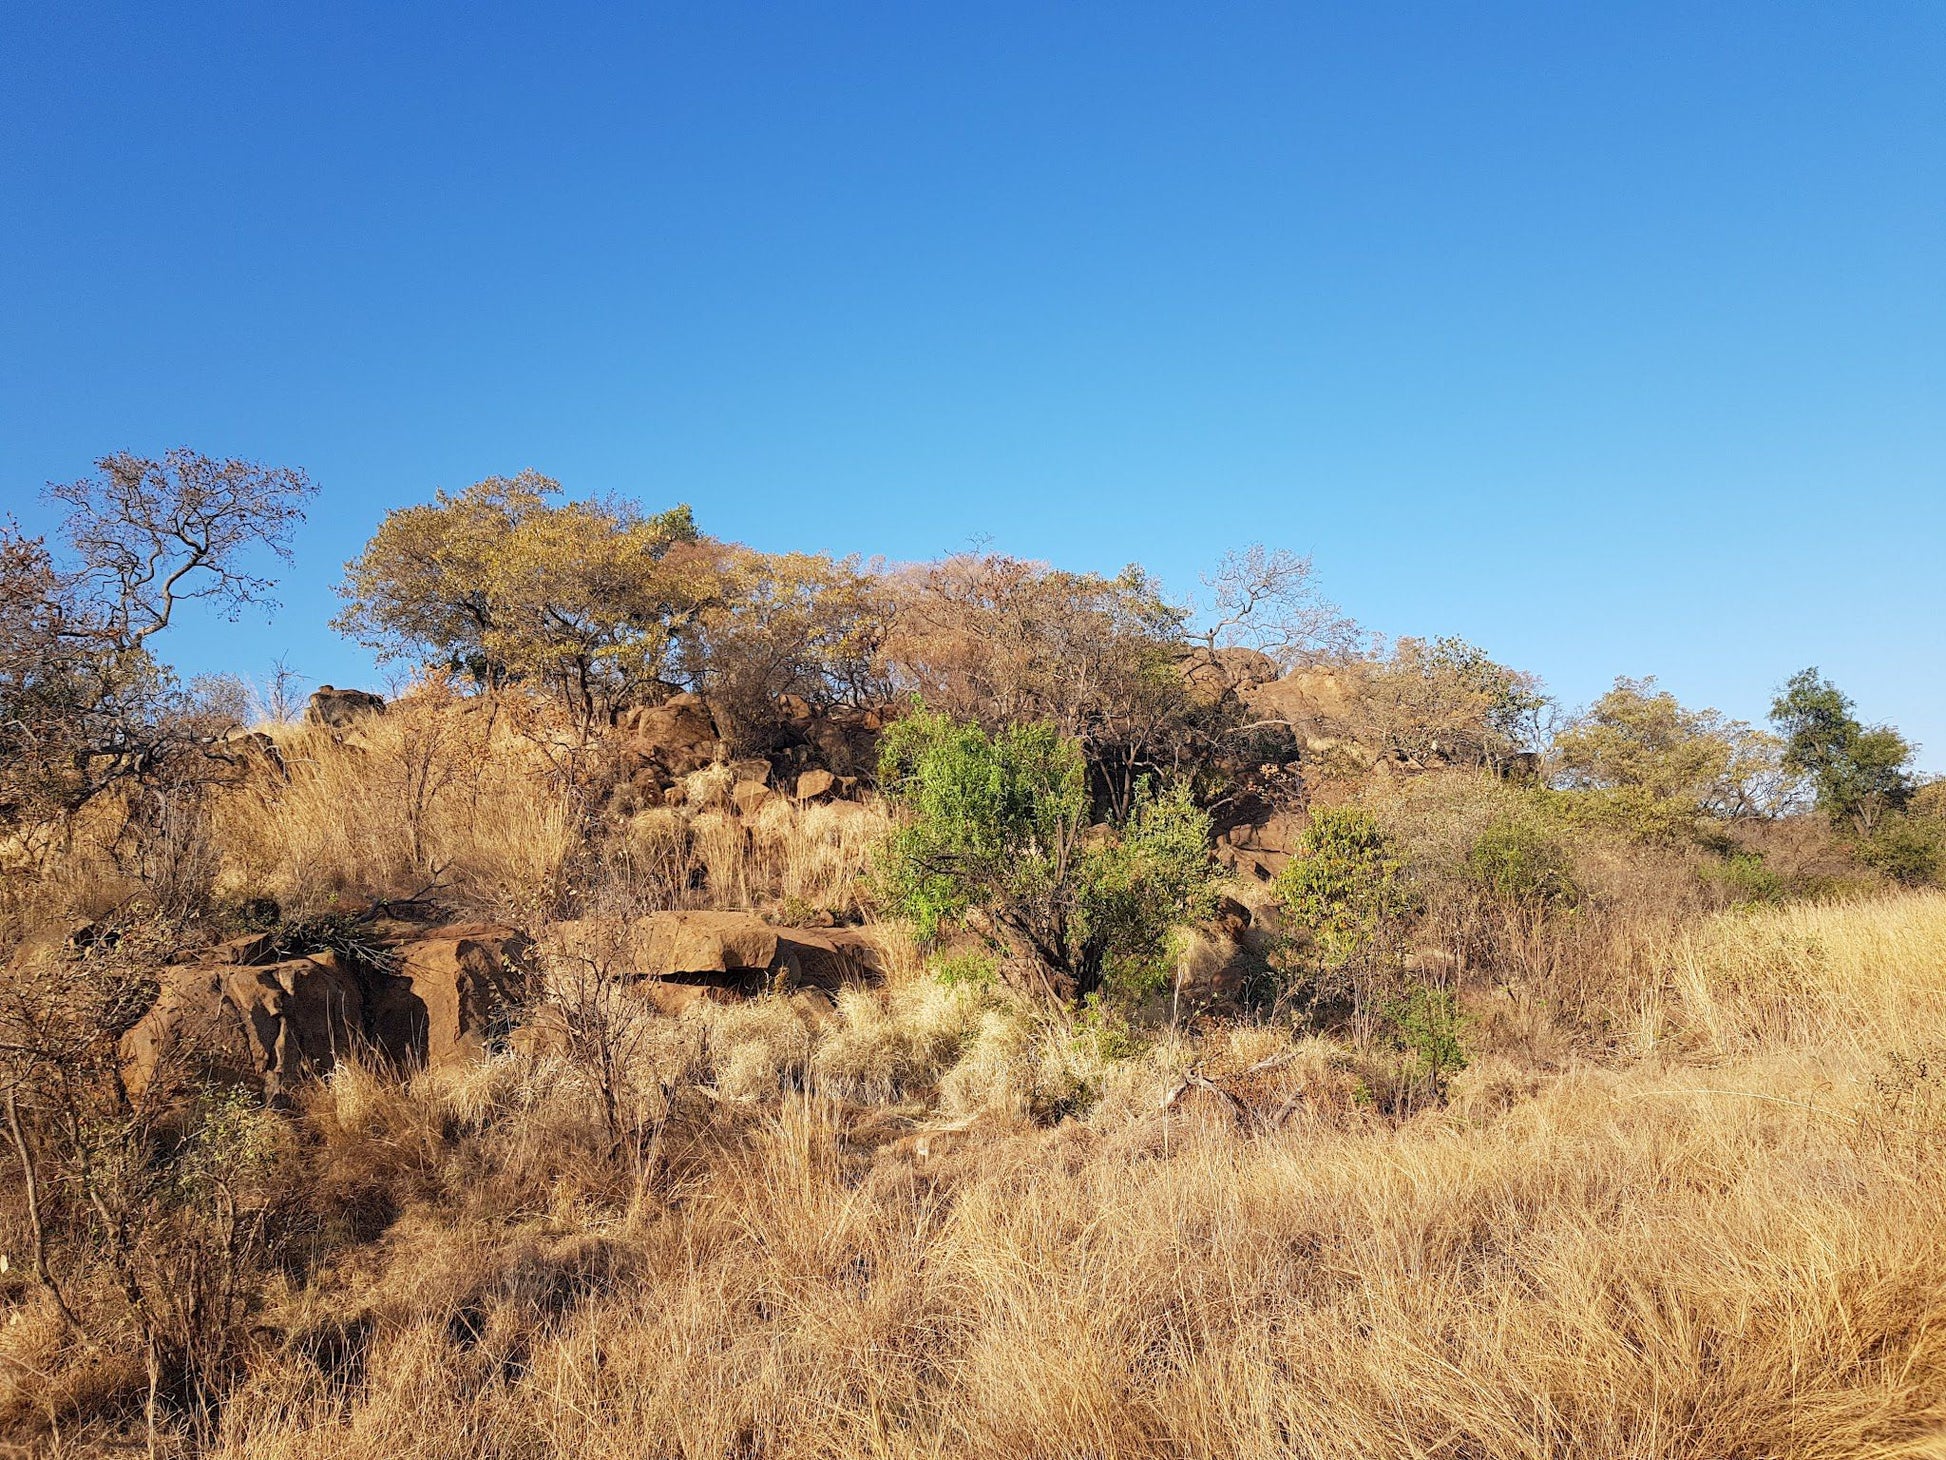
(744,1004)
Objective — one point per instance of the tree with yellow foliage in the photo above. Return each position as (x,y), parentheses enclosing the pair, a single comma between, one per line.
(501,582)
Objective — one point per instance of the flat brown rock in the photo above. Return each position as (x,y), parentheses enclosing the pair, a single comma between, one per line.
(728,954)
(750,797)
(815,785)
(673,944)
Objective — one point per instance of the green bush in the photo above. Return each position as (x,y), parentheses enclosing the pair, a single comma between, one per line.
(1515,861)
(993,822)
(968,968)
(994,835)
(1911,850)
(1346,887)
(1428,1024)
(1632,812)
(1862,773)
(1138,887)
(1745,878)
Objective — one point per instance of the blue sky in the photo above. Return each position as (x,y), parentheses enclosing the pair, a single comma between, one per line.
(1612,338)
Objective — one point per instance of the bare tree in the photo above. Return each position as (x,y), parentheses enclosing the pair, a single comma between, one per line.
(278,700)
(84,705)
(1268,600)
(151,535)
(608,1040)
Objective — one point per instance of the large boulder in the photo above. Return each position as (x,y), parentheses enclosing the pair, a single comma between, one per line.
(1263,846)
(674,738)
(1316,707)
(335,709)
(727,955)
(453,994)
(684,945)
(815,785)
(242,1016)
(264,1027)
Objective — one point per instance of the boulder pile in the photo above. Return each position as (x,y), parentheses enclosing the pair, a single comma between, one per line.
(660,748)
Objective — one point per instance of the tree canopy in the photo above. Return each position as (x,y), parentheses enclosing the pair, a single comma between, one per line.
(1665,765)
(1860,773)
(503,583)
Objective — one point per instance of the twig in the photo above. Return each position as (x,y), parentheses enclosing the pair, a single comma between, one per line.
(42,1273)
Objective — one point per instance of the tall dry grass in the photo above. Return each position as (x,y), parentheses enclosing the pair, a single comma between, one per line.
(705,854)
(439,790)
(1851,979)
(501,815)
(1725,1243)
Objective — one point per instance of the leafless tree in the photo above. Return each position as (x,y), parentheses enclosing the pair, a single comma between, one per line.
(84,705)
(151,535)
(278,700)
(1268,600)
(608,1033)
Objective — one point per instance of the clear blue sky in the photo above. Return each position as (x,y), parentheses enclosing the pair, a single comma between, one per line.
(1610,337)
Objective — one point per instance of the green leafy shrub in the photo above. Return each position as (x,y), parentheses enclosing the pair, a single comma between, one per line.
(967,968)
(994,835)
(1346,887)
(1347,901)
(1862,773)
(1911,850)
(1633,812)
(993,822)
(1139,887)
(1428,1024)
(1517,862)
(1746,879)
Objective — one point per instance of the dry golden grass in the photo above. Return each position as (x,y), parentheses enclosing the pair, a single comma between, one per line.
(435,790)
(442,791)
(1683,1203)
(1851,978)
(1725,1244)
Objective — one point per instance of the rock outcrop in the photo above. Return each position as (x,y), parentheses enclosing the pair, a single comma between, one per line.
(1262,846)
(674,959)
(454,992)
(816,754)
(242,1015)
(336,709)
(669,740)
(1220,957)
(742,947)
(265,1027)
